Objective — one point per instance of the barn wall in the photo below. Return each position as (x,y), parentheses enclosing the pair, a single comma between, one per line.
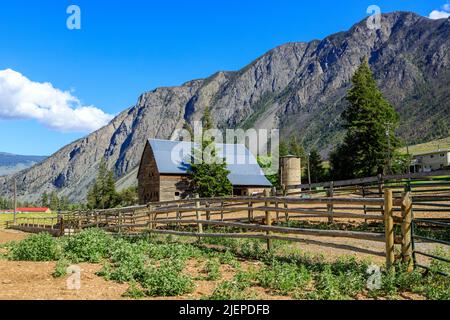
(173,187)
(148,178)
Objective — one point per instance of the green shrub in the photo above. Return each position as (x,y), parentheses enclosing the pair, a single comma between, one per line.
(167,280)
(173,251)
(284,277)
(91,245)
(61,268)
(127,261)
(212,269)
(253,249)
(326,286)
(437,287)
(38,247)
(437,266)
(134,292)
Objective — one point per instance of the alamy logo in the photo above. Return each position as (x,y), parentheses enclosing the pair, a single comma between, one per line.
(74,280)
(374,280)
(262,144)
(74,20)
(374,21)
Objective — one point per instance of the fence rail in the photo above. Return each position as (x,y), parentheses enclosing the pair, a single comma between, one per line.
(409,201)
(245,217)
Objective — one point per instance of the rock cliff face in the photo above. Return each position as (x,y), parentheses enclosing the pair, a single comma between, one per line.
(297,87)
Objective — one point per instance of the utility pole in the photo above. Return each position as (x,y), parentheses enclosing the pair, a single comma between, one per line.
(15,200)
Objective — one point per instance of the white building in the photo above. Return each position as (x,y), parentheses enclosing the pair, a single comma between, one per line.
(431,161)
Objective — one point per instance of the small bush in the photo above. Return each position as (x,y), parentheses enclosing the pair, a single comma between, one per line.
(167,280)
(173,251)
(134,292)
(284,277)
(91,245)
(127,261)
(61,268)
(327,286)
(38,247)
(437,266)
(212,269)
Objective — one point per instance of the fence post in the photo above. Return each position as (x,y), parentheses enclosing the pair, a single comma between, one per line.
(198,214)
(250,212)
(406,231)
(208,213)
(363,190)
(277,213)
(389,227)
(330,207)
(120,222)
(380,190)
(286,206)
(268,219)
(61,226)
(150,217)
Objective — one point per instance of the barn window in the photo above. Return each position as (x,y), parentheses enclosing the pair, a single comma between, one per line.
(177,194)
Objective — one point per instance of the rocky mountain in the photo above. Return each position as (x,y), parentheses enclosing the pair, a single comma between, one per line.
(13,163)
(297,87)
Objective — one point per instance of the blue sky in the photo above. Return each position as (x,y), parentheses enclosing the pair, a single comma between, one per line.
(125,48)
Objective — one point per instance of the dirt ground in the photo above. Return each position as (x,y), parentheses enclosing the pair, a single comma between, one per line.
(34,280)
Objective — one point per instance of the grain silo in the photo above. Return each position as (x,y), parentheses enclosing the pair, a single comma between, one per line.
(290,167)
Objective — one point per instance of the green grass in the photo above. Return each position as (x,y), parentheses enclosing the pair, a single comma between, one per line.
(428,146)
(4,217)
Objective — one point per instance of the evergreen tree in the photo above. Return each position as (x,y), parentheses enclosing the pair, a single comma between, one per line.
(44,200)
(128,197)
(54,201)
(102,194)
(316,167)
(284,149)
(370,121)
(208,173)
(296,149)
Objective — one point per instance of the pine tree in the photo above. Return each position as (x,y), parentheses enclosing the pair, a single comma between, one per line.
(316,167)
(54,201)
(102,194)
(44,200)
(284,149)
(296,149)
(208,173)
(370,121)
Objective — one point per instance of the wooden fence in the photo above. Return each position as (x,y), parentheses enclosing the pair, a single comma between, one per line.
(251,218)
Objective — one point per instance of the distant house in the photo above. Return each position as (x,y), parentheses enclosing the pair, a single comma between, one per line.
(33,210)
(28,210)
(431,161)
(163,172)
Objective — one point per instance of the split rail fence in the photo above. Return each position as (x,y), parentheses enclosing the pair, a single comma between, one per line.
(412,203)
(252,218)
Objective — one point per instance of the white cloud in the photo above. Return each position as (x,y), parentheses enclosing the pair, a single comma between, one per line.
(441,14)
(21,98)
(436,14)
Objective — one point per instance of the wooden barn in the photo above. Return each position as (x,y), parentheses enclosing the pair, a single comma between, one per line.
(163,172)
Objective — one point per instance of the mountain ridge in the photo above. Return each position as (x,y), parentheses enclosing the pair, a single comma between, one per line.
(298,87)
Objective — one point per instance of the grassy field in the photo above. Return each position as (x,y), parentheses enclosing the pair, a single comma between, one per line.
(429,146)
(10,217)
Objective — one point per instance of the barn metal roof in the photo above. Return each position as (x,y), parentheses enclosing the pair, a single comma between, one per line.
(173,157)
